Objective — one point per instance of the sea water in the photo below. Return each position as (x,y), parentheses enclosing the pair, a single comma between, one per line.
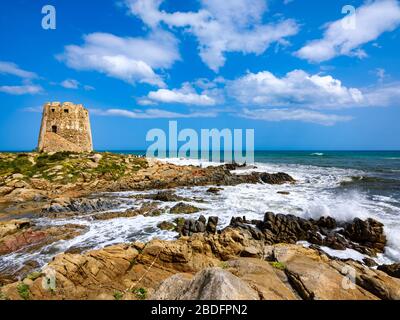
(343,185)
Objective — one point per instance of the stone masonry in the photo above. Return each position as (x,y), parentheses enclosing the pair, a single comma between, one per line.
(65,127)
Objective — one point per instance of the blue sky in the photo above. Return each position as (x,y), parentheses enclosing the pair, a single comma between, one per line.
(300,73)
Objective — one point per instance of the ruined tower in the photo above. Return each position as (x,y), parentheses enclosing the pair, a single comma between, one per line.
(65,127)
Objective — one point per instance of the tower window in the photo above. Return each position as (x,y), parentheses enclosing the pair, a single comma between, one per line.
(54,129)
(66,111)
(53,110)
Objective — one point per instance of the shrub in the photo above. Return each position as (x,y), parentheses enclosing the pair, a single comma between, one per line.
(140,293)
(23,291)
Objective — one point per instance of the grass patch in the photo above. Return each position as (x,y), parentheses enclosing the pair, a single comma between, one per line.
(278,265)
(23,291)
(224,265)
(140,293)
(118,295)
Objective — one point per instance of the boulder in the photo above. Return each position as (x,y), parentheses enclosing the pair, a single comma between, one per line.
(276,178)
(209,284)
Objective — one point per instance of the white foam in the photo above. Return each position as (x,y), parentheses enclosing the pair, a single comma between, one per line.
(314,195)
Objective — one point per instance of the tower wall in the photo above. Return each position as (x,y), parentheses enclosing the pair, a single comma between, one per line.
(65,127)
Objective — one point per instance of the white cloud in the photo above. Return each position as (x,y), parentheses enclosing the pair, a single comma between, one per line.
(220,26)
(302,115)
(70,84)
(152,114)
(75,84)
(384,95)
(185,95)
(13,69)
(372,19)
(21,90)
(296,88)
(129,59)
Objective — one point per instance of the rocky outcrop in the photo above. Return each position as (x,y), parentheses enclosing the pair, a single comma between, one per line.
(366,237)
(32,238)
(60,206)
(207,266)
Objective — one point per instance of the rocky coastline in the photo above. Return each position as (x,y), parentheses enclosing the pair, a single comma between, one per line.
(280,257)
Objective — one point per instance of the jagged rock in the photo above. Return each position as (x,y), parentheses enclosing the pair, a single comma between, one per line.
(291,229)
(212,225)
(83,205)
(392,270)
(183,208)
(368,233)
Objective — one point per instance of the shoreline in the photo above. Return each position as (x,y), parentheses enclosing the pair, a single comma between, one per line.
(65,192)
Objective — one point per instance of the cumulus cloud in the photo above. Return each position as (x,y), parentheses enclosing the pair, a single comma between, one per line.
(21,90)
(372,19)
(11,68)
(303,115)
(296,88)
(220,26)
(152,114)
(185,95)
(128,59)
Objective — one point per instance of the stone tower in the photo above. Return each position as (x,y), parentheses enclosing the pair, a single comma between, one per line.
(65,127)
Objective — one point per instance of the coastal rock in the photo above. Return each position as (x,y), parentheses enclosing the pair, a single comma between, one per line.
(209,266)
(214,190)
(148,209)
(32,238)
(183,208)
(392,270)
(165,225)
(212,225)
(62,207)
(368,233)
(366,237)
(276,178)
(209,284)
(13,226)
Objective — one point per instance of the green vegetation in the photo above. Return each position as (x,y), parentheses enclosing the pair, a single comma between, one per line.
(34,275)
(118,295)
(140,293)
(68,167)
(278,265)
(224,265)
(23,291)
